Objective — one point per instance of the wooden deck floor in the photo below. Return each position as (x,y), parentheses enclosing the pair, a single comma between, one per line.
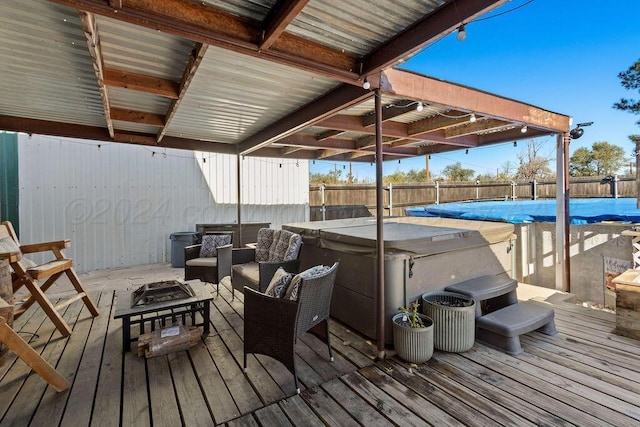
(585,375)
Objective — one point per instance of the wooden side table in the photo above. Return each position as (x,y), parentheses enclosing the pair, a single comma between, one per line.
(628,304)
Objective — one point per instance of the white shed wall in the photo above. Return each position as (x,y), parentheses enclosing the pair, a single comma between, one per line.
(119,203)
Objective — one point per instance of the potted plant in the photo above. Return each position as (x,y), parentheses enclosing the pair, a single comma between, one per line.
(413,334)
(454,320)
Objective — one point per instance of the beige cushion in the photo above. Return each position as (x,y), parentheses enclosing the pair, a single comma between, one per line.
(250,270)
(202,262)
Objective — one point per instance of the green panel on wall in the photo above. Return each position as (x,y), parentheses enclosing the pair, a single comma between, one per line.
(9,185)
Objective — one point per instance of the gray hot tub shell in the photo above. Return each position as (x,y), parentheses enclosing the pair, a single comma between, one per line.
(421,255)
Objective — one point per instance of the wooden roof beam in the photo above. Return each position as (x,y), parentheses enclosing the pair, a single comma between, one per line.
(433,26)
(70,130)
(187,76)
(201,22)
(433,91)
(437,122)
(344,96)
(126,115)
(390,111)
(281,15)
(141,83)
(90,30)
(328,134)
(391,129)
(487,125)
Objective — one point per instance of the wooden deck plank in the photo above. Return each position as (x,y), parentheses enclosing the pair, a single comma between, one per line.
(458,391)
(405,383)
(413,401)
(568,406)
(401,412)
(593,369)
(78,412)
(245,421)
(588,385)
(110,378)
(484,384)
(193,406)
(212,384)
(616,362)
(329,411)
(136,410)
(299,412)
(34,388)
(162,398)
(272,415)
(358,408)
(243,394)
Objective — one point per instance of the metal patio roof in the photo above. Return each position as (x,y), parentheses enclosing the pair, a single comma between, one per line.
(278,78)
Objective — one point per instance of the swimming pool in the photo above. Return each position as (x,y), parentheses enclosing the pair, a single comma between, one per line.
(582,211)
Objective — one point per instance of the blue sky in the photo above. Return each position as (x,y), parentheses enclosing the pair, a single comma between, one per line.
(562,56)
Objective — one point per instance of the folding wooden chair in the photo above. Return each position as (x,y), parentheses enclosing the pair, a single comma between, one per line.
(28,275)
(28,355)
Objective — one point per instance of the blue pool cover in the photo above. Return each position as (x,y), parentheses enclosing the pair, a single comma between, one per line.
(581,211)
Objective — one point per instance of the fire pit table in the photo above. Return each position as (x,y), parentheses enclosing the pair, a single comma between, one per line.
(154,303)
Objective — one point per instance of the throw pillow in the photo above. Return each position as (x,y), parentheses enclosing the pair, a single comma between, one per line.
(211,242)
(292,290)
(279,283)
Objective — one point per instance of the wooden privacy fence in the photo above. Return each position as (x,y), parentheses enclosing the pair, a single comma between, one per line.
(358,200)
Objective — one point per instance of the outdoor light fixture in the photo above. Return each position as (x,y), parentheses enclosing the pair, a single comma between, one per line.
(472,118)
(420,106)
(523,129)
(462,33)
(578,131)
(366,84)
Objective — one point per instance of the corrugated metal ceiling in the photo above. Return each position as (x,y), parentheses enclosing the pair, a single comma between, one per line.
(228,100)
(238,94)
(45,66)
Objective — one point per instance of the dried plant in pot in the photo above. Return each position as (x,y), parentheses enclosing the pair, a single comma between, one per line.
(413,334)
(454,320)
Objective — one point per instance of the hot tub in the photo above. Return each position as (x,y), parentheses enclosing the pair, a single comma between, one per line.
(421,255)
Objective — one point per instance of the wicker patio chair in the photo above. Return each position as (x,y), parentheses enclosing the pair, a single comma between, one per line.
(254,267)
(209,269)
(272,325)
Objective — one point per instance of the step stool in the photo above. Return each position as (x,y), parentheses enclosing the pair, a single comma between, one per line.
(491,293)
(502,328)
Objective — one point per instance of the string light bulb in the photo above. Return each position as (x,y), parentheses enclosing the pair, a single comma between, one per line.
(420,106)
(472,118)
(523,129)
(462,33)
(366,85)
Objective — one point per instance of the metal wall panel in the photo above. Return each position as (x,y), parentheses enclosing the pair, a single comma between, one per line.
(119,203)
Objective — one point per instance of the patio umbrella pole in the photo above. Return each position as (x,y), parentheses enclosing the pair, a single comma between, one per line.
(379,225)
(239,195)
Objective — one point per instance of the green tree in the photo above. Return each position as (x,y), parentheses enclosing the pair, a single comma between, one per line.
(402,177)
(456,172)
(581,163)
(630,80)
(332,177)
(608,158)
